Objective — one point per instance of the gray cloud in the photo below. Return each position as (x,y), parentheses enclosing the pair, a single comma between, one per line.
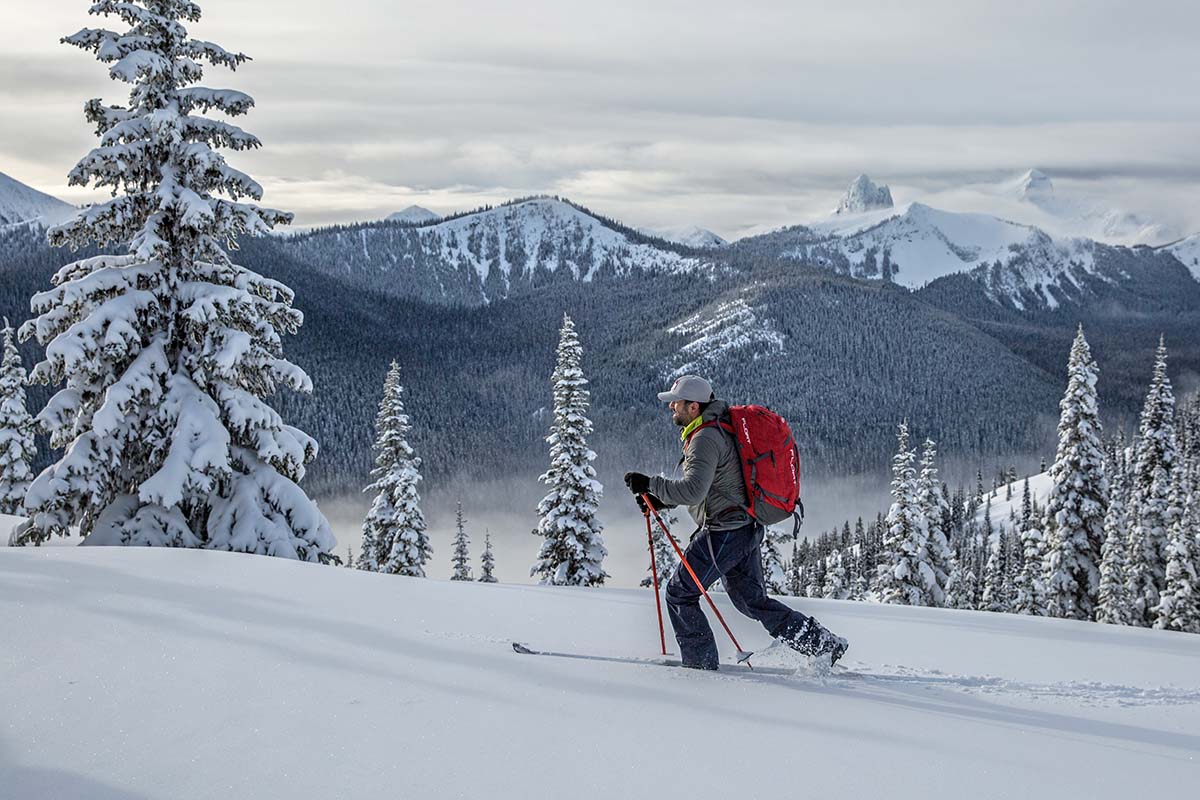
(736,118)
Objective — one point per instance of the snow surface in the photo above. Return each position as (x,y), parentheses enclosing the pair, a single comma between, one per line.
(1002,509)
(131,673)
(23,204)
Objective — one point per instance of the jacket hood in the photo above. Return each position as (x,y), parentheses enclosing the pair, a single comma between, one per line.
(715,409)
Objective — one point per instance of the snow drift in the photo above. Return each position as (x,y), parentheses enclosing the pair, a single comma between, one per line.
(151,673)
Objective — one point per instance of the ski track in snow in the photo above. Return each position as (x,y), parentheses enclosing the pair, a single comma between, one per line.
(891,678)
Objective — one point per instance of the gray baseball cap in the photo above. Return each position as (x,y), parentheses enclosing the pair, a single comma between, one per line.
(691,388)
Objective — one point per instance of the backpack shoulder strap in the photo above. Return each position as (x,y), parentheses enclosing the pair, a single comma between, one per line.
(712,423)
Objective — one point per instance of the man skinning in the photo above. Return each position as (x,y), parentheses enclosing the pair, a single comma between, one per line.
(728,541)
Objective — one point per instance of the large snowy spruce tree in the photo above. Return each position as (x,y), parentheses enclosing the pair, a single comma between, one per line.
(394,537)
(1178,606)
(1078,496)
(1155,459)
(169,351)
(1027,585)
(904,577)
(935,509)
(572,551)
(1113,606)
(16,429)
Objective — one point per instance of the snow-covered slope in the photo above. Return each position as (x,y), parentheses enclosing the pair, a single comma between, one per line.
(1003,508)
(690,235)
(715,335)
(488,254)
(149,673)
(864,195)
(20,203)
(915,244)
(1188,252)
(413,215)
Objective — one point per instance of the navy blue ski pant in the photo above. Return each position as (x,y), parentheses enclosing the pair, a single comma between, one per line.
(738,559)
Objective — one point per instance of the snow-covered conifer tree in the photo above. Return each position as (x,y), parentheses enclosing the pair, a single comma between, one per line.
(905,576)
(962,586)
(394,536)
(994,597)
(865,563)
(933,507)
(795,587)
(665,560)
(349,562)
(774,573)
(1155,458)
(462,548)
(16,430)
(814,580)
(1178,607)
(1079,495)
(572,553)
(1027,586)
(487,572)
(837,582)
(169,351)
(1113,607)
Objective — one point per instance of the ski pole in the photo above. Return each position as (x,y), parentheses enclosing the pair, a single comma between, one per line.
(662,636)
(743,657)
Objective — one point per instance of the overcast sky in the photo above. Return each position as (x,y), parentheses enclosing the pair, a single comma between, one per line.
(733,116)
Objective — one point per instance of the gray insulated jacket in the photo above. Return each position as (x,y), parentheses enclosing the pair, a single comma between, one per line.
(711,487)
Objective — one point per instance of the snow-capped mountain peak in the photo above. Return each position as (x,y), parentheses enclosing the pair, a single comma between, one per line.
(1080,215)
(24,204)
(413,215)
(864,195)
(689,235)
(1034,185)
(916,244)
(491,253)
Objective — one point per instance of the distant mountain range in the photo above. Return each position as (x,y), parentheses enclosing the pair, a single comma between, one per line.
(1088,217)
(20,204)
(960,322)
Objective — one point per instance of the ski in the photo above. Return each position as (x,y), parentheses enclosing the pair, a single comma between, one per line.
(739,669)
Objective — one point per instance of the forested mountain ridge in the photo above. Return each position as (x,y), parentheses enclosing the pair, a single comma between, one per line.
(489,254)
(841,357)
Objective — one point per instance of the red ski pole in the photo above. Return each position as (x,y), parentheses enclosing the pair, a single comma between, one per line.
(743,657)
(662,636)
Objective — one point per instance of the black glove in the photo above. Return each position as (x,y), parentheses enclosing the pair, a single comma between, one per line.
(637,482)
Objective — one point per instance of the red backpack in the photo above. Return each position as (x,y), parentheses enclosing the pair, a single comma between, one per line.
(770,462)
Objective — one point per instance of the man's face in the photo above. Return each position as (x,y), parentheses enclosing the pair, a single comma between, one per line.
(683,412)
